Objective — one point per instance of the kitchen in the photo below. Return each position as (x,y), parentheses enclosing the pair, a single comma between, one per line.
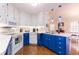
(39,29)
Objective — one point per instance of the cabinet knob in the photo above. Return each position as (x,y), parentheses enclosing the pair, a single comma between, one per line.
(59,42)
(60,52)
(59,38)
(60,47)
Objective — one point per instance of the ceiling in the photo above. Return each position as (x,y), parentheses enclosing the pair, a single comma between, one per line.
(27,7)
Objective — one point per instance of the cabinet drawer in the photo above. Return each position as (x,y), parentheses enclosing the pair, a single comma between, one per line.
(60,43)
(26,34)
(61,52)
(61,39)
(61,47)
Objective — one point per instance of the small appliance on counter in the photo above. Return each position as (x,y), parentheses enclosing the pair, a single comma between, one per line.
(34,30)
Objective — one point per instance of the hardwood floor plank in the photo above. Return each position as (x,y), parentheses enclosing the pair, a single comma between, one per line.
(35,50)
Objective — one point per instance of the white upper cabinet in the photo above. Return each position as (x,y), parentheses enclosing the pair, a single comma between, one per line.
(25,19)
(10,10)
(28,19)
(42,18)
(34,20)
(22,19)
(7,14)
(39,19)
(17,16)
(3,13)
(11,20)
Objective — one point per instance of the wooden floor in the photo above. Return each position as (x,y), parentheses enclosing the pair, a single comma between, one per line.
(35,50)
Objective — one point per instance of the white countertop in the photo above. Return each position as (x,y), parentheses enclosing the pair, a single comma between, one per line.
(61,34)
(4,41)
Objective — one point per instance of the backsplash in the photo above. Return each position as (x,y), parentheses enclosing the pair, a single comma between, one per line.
(40,29)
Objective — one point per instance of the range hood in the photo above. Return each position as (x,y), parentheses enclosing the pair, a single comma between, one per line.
(2,25)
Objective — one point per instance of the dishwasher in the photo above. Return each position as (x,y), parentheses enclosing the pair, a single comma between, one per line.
(33,38)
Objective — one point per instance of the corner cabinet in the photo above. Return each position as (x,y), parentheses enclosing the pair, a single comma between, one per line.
(26,38)
(58,44)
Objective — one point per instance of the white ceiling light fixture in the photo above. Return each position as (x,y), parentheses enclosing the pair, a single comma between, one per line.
(34,4)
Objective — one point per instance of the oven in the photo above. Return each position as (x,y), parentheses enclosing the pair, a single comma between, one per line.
(18,39)
(17,42)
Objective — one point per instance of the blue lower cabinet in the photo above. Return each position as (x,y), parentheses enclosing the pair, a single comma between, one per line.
(26,38)
(53,42)
(61,45)
(39,39)
(46,40)
(58,44)
(60,49)
(43,39)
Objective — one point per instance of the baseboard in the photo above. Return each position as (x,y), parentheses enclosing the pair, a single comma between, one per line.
(33,44)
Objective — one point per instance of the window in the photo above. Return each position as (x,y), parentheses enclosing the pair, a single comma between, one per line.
(74,26)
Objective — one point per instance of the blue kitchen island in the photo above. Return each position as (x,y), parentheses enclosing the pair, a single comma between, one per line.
(56,42)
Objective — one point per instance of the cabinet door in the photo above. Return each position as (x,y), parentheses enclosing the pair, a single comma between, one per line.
(61,45)
(11,20)
(45,40)
(16,16)
(3,12)
(39,38)
(26,38)
(10,11)
(52,44)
